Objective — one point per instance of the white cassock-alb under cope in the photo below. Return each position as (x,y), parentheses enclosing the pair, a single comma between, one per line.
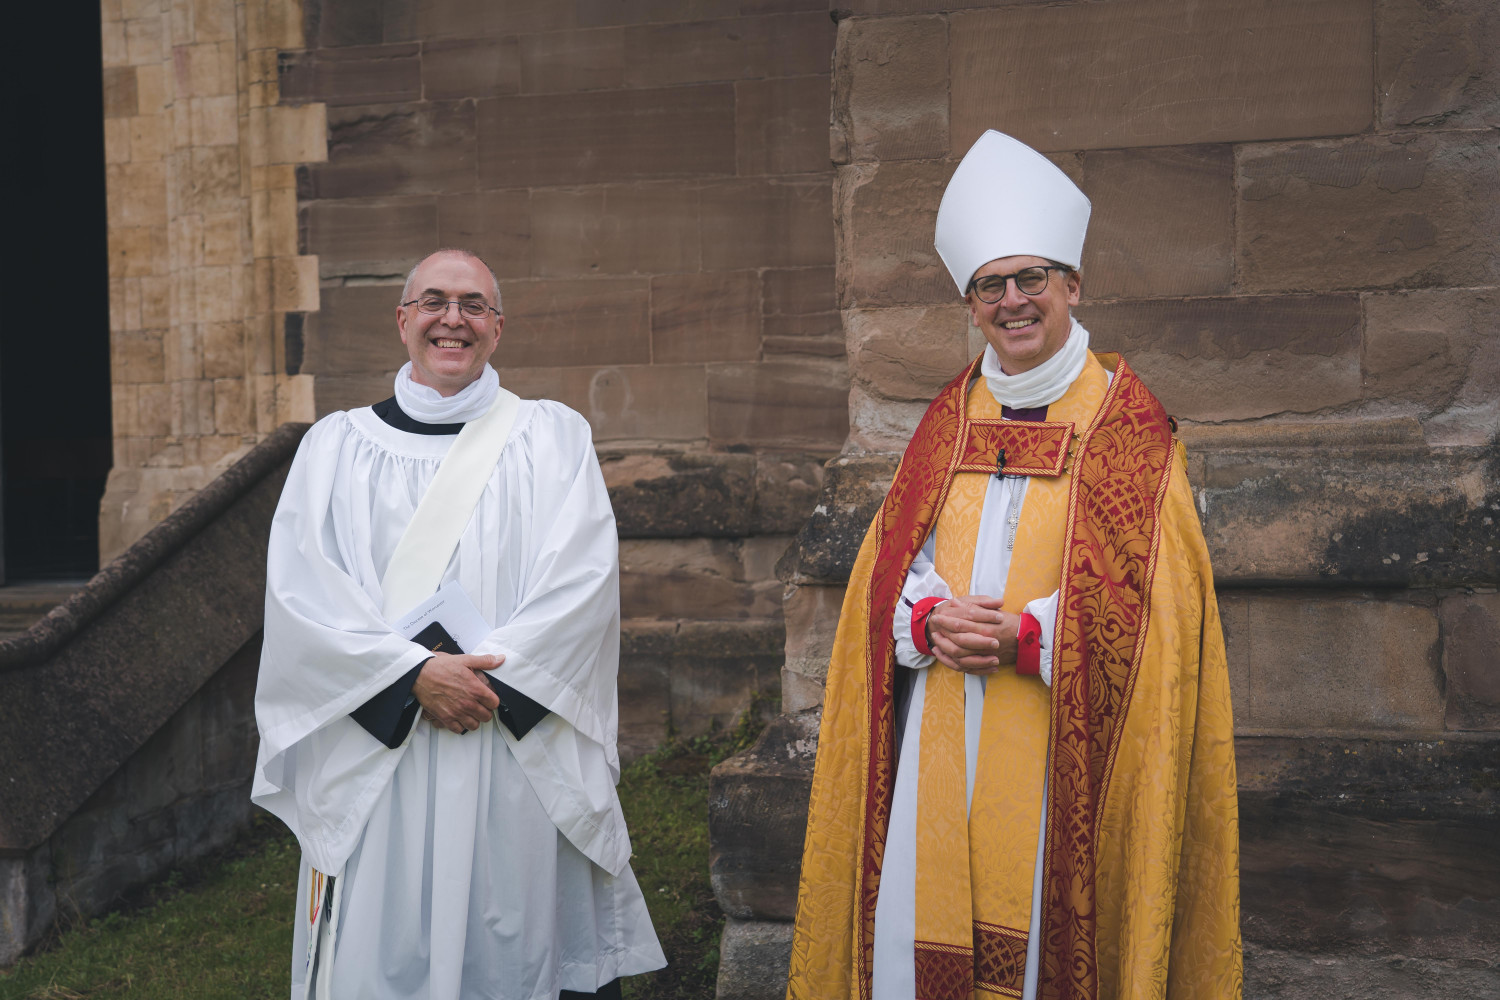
(472,866)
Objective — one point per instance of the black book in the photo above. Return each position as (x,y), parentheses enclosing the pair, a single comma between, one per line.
(517,712)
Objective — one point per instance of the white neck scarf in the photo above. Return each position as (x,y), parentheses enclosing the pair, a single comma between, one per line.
(427,405)
(1045,383)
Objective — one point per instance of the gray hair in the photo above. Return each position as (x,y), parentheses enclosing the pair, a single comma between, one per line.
(412,274)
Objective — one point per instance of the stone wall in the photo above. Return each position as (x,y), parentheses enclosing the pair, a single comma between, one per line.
(1294,242)
(203,258)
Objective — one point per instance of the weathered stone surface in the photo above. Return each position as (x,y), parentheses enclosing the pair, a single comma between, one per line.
(357,74)
(1369,212)
(1448,778)
(1320,882)
(710,494)
(1236,358)
(1327,663)
(1436,63)
(824,550)
(381,236)
(185,793)
(787,485)
(623,403)
(907,354)
(877,424)
(467,18)
(1327,504)
(719,667)
(890,98)
(494,224)
(425,148)
(779,404)
(705,494)
(756,222)
(687,677)
(701,578)
(710,316)
(470,68)
(560,61)
(615,229)
(662,55)
(757,816)
(754,958)
(781,125)
(1161,73)
(120,99)
(592,13)
(606,136)
(603,320)
(886,216)
(1344,504)
(645,693)
(1471,637)
(1428,349)
(354,333)
(345,392)
(812,613)
(1162,223)
(1271,974)
(800,313)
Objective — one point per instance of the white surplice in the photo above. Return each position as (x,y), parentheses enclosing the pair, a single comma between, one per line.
(473,866)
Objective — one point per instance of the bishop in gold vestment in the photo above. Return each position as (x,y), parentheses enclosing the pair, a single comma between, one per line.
(1067,826)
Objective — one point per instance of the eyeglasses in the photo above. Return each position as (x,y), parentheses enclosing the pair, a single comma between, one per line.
(1030,280)
(432,305)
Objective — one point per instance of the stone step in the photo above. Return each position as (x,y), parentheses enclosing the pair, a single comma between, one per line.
(757,815)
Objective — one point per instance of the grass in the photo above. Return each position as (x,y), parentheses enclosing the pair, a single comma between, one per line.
(222,927)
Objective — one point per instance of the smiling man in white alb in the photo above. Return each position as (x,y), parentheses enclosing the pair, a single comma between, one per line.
(457,815)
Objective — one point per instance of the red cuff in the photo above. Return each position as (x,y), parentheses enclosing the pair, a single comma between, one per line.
(1029,646)
(919,613)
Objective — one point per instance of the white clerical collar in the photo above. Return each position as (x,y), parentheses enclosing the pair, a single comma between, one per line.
(426,404)
(1044,384)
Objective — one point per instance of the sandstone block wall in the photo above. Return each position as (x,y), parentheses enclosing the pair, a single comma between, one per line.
(203,259)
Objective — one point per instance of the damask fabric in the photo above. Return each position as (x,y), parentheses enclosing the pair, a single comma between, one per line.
(469,866)
(1138,894)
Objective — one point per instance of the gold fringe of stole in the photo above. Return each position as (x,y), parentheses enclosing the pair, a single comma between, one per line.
(972,920)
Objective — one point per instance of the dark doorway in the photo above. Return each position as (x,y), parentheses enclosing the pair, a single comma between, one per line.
(55,438)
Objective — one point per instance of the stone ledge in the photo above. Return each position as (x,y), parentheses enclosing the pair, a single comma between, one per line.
(710,494)
(1334,505)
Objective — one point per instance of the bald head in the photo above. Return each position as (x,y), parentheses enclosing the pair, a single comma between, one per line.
(411,275)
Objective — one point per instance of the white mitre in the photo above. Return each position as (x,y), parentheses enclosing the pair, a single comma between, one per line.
(1006,199)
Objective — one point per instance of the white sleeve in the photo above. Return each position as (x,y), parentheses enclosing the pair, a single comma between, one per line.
(922,580)
(1044,610)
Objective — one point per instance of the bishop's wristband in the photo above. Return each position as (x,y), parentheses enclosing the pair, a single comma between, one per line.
(1029,646)
(919,615)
